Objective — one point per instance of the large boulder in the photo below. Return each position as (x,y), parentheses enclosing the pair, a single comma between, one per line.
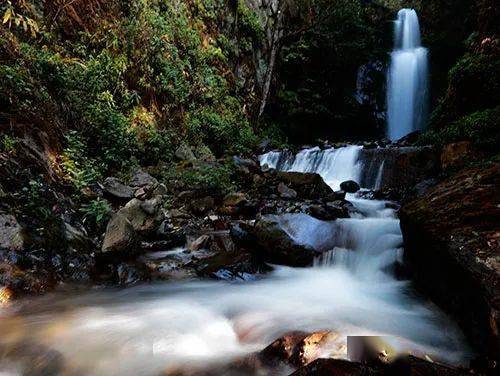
(452,244)
(11,236)
(336,367)
(267,239)
(307,185)
(120,235)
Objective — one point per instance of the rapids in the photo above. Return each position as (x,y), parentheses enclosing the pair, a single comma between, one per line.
(351,289)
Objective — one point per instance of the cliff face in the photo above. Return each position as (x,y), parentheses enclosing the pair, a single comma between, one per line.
(452,242)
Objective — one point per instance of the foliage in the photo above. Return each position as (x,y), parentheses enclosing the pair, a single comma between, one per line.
(208,178)
(481,127)
(328,41)
(97,212)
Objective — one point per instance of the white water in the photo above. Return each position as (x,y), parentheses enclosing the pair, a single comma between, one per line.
(407,85)
(351,290)
(334,165)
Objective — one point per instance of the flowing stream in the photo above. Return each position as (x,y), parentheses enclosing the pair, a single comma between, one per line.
(351,289)
(407,86)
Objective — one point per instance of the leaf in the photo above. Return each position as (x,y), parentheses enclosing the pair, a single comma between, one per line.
(7,15)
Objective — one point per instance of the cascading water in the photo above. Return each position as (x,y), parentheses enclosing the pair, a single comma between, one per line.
(350,290)
(407,86)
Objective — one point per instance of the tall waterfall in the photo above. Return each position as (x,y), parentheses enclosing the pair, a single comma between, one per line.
(407,86)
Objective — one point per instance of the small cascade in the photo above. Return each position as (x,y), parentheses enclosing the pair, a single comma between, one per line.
(407,86)
(334,165)
(378,179)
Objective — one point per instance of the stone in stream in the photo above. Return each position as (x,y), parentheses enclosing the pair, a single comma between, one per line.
(349,186)
(267,240)
(336,367)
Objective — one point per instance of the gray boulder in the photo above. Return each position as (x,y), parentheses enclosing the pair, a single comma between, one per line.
(11,236)
(120,235)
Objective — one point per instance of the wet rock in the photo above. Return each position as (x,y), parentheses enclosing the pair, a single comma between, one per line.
(336,367)
(11,236)
(141,179)
(285,192)
(283,348)
(120,235)
(307,185)
(452,242)
(396,167)
(350,186)
(184,153)
(269,241)
(129,274)
(116,188)
(424,186)
(201,242)
(328,212)
(172,235)
(34,359)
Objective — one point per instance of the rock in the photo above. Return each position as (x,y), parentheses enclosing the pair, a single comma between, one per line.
(129,274)
(117,189)
(335,367)
(77,237)
(199,243)
(268,240)
(120,235)
(11,233)
(160,190)
(285,192)
(142,215)
(350,186)
(141,193)
(245,165)
(452,242)
(184,153)
(283,348)
(329,211)
(400,166)
(412,366)
(424,186)
(141,179)
(307,185)
(312,347)
(202,205)
(235,199)
(152,206)
(459,153)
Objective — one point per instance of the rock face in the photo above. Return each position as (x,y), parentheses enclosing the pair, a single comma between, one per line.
(10,233)
(397,167)
(270,242)
(452,242)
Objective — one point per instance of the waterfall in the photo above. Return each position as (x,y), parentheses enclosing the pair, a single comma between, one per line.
(407,83)
(334,165)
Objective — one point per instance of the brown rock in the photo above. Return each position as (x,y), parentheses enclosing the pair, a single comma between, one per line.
(457,154)
(120,235)
(307,185)
(335,367)
(452,243)
(235,199)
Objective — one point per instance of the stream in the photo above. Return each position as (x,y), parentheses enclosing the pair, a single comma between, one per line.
(351,289)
